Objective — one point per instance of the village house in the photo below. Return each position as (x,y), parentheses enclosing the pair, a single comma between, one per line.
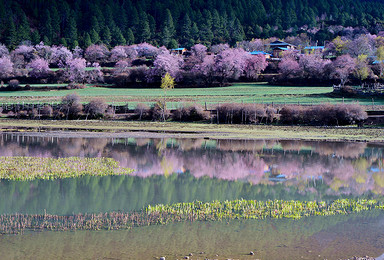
(278,47)
(314,49)
(267,55)
(179,51)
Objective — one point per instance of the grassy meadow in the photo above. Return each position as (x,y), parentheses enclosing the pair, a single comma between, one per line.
(238,93)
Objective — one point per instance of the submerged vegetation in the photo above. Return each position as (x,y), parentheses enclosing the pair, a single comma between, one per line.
(194,211)
(30,168)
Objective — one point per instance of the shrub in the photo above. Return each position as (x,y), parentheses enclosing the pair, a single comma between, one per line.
(243,113)
(13,84)
(323,115)
(138,74)
(71,106)
(156,112)
(46,112)
(142,111)
(75,86)
(33,113)
(110,113)
(190,113)
(96,108)
(291,114)
(21,114)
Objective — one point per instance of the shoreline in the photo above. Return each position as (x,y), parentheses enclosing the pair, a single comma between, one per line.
(145,129)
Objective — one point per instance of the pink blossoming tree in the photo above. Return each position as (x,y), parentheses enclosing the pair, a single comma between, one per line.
(38,68)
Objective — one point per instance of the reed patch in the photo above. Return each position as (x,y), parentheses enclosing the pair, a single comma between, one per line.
(181,212)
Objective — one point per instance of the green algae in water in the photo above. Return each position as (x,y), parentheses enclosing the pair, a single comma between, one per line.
(29,168)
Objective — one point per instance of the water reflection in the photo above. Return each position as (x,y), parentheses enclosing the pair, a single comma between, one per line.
(348,167)
(173,170)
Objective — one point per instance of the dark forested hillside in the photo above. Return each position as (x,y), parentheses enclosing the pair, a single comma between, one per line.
(180,22)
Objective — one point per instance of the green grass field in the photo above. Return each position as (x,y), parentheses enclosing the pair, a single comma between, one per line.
(242,92)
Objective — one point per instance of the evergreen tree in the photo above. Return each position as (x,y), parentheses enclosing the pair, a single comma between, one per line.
(95,24)
(143,32)
(47,29)
(117,37)
(210,21)
(11,39)
(130,38)
(95,38)
(55,23)
(206,34)
(186,30)
(35,37)
(106,37)
(217,28)
(172,44)
(195,32)
(24,30)
(238,32)
(71,32)
(63,41)
(168,28)
(48,41)
(87,40)
(152,25)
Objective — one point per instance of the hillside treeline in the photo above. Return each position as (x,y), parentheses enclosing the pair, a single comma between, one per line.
(180,22)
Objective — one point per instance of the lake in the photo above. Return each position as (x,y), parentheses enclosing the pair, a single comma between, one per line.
(184,170)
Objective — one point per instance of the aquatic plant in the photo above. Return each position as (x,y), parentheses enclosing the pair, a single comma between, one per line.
(30,168)
(194,211)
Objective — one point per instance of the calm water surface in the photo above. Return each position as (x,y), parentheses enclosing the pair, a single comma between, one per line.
(184,170)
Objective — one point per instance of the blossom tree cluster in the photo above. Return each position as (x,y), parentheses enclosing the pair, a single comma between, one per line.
(348,57)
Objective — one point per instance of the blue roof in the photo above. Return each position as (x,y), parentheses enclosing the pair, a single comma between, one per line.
(277,43)
(282,48)
(259,52)
(178,49)
(314,47)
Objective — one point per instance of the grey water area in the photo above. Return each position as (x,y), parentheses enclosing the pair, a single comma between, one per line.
(171,170)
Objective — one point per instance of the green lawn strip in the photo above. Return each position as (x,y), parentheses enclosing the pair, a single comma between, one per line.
(181,212)
(30,168)
(238,93)
(214,131)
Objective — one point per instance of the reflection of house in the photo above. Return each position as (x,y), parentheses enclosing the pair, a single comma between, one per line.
(314,49)
(179,51)
(279,46)
(267,55)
